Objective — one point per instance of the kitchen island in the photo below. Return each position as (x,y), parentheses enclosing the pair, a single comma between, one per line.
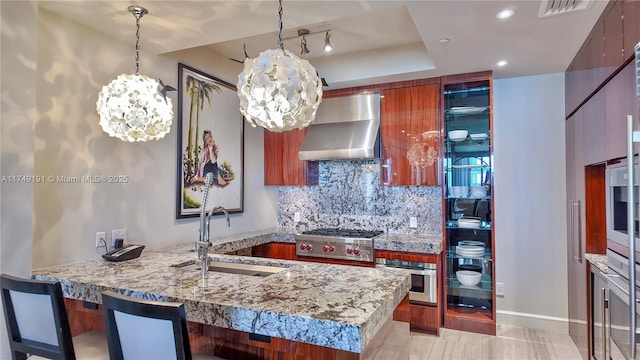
(334,307)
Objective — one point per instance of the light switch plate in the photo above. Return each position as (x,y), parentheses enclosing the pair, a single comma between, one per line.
(499,289)
(296,217)
(413,222)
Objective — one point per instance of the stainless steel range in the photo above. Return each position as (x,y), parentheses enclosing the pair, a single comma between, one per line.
(340,244)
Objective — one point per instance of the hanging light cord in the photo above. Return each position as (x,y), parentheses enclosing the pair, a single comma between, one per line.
(280,44)
(137,15)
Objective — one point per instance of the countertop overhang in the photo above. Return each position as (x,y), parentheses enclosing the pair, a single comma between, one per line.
(335,306)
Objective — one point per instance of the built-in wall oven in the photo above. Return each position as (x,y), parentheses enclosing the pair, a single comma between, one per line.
(621,333)
(424,279)
(616,202)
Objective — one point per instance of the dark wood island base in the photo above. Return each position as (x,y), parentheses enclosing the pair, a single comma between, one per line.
(390,343)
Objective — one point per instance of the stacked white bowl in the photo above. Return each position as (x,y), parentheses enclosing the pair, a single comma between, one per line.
(458,135)
(468,278)
(478,192)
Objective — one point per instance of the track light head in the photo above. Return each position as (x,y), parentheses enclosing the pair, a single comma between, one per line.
(303,46)
(327,43)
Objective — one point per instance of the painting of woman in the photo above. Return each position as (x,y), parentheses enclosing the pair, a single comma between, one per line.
(208,161)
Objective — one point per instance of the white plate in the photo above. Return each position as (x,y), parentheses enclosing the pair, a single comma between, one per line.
(468,226)
(471,256)
(471,243)
(467,110)
(481,251)
(478,136)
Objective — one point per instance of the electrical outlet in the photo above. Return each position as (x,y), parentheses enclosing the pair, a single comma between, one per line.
(499,289)
(296,217)
(413,222)
(118,234)
(100,237)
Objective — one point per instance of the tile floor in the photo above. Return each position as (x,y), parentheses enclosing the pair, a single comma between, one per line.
(510,342)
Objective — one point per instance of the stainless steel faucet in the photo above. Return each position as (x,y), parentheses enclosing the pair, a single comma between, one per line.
(205,240)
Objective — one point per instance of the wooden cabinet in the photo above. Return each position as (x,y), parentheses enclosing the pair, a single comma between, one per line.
(281,163)
(284,251)
(630,26)
(576,228)
(421,318)
(609,45)
(598,315)
(613,37)
(620,101)
(409,135)
(593,119)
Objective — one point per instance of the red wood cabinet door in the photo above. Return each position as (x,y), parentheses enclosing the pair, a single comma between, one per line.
(281,163)
(409,135)
(283,251)
(631,26)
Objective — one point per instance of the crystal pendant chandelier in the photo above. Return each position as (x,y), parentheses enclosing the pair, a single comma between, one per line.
(135,107)
(279,91)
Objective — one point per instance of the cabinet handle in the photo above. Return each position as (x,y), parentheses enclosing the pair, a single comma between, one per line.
(572,227)
(576,233)
(604,322)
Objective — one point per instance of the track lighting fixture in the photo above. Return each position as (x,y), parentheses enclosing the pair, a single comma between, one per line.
(304,33)
(327,43)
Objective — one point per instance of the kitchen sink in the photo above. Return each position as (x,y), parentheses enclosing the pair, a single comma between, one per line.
(234,268)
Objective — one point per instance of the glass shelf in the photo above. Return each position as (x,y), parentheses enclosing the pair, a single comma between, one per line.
(481,291)
(453,226)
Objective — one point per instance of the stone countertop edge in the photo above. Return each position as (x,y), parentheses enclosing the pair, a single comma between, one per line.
(599,261)
(335,306)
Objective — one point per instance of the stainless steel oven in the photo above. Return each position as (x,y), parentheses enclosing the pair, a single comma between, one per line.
(616,202)
(424,278)
(621,331)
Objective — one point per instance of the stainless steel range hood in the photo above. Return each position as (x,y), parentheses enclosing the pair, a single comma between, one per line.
(345,128)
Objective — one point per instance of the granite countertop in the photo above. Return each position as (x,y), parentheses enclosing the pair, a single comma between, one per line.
(427,244)
(599,261)
(335,306)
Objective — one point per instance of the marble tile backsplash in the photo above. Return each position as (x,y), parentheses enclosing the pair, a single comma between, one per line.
(349,195)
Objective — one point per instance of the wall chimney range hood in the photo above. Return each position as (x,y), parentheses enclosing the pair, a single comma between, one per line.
(345,128)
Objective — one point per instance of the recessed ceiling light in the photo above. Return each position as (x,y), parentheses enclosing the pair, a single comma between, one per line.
(502,63)
(505,14)
(444,40)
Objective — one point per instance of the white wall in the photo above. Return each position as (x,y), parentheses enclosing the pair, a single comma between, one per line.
(17,119)
(74,62)
(530,209)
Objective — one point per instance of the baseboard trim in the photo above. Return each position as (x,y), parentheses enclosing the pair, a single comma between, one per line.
(533,321)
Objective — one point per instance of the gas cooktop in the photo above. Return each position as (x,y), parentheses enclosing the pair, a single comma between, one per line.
(343,244)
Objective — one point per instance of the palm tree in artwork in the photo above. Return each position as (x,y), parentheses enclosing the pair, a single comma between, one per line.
(198,91)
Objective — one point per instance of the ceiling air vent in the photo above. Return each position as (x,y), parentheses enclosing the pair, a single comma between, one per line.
(559,7)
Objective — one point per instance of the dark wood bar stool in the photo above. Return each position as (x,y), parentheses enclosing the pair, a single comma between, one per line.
(38,326)
(143,329)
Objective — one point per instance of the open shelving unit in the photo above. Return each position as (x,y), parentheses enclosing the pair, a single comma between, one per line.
(467,105)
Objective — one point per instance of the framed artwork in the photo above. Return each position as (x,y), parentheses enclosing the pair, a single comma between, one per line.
(210,139)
